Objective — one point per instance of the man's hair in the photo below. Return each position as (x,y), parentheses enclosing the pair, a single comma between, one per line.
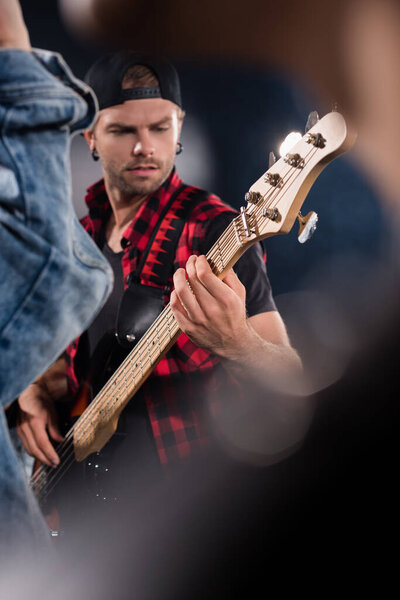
(139,76)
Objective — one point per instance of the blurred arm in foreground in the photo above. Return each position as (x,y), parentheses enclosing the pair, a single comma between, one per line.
(47,263)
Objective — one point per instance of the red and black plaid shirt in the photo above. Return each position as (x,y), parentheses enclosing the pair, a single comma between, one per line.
(176,390)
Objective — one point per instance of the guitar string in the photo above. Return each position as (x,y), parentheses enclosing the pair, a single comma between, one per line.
(213,255)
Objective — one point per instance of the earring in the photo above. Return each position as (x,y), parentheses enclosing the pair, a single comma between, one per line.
(179,148)
(94,154)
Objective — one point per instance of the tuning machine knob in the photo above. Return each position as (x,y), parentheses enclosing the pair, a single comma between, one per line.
(307,226)
(271,160)
(312,120)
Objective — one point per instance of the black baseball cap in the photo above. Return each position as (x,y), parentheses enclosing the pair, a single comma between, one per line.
(106,74)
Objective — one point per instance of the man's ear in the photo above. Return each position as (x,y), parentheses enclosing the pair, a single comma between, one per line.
(89,137)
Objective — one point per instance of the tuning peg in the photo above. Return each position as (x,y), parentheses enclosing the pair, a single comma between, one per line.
(313,118)
(307,226)
(271,160)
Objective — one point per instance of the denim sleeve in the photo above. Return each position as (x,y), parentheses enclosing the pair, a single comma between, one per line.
(53,279)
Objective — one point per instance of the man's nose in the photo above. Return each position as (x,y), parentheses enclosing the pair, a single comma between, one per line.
(143,146)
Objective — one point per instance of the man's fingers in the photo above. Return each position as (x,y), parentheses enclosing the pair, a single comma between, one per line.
(201,292)
(38,421)
(43,443)
(23,438)
(35,440)
(205,288)
(215,287)
(233,281)
(32,447)
(54,431)
(205,285)
(178,310)
(185,295)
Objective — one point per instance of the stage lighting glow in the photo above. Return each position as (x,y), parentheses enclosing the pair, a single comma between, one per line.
(290,140)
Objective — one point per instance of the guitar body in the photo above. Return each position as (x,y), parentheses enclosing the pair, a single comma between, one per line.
(96,481)
(89,480)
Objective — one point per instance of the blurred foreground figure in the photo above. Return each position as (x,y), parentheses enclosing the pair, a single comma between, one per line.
(52,278)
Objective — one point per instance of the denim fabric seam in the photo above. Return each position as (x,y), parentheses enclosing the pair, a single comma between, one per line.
(87,260)
(54,78)
(44,94)
(23,210)
(32,290)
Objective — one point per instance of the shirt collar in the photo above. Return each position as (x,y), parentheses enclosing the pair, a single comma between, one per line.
(99,205)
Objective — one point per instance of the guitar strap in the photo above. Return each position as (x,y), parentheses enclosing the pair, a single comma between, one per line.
(157,260)
(143,299)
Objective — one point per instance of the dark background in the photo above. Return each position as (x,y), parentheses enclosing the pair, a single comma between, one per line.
(235,116)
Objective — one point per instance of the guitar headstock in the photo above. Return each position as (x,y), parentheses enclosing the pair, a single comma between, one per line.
(275,199)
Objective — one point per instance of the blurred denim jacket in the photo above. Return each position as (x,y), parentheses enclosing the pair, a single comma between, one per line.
(53,279)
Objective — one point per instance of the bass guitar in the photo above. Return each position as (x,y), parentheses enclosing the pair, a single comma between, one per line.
(273,204)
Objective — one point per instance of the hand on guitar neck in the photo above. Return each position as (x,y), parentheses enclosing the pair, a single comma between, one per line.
(212,313)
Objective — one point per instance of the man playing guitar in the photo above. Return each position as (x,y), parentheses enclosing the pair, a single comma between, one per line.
(155,230)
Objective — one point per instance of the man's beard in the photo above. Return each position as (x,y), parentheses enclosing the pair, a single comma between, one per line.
(117,179)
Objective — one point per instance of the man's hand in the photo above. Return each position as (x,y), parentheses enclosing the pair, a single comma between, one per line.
(212,314)
(37,421)
(13,32)
(256,351)
(210,311)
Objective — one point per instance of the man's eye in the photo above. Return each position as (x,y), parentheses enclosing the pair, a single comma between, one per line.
(162,128)
(118,131)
